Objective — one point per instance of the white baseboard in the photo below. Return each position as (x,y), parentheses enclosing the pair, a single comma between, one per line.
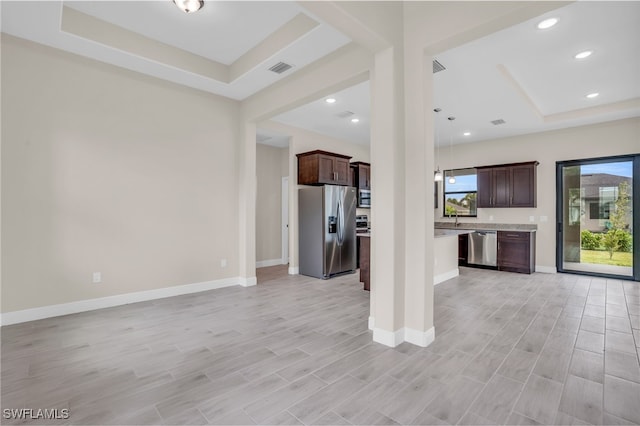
(546,269)
(294,270)
(33,314)
(372,323)
(247,281)
(409,335)
(445,276)
(388,338)
(419,338)
(270,262)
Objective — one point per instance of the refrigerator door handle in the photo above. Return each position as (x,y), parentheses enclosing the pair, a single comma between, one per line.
(339,222)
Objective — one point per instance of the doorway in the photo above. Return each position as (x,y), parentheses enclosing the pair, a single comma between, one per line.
(598,215)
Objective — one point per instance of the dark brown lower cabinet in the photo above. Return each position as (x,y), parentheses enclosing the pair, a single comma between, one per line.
(517,251)
(463,249)
(365,259)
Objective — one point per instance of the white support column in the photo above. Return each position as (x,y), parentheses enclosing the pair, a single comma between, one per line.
(247,204)
(419,206)
(388,207)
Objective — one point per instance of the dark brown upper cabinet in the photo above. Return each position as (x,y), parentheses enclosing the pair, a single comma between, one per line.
(323,168)
(507,185)
(362,175)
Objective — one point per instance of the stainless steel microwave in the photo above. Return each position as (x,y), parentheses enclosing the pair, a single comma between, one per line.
(364,198)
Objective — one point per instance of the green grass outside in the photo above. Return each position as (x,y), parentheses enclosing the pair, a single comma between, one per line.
(619,258)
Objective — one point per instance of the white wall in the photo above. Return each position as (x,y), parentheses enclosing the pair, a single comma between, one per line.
(272,164)
(600,140)
(108,170)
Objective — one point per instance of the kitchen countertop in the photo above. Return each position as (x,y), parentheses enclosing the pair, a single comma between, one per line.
(475,226)
(449,232)
(363,234)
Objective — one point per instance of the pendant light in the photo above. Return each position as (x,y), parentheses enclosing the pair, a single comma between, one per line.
(438,174)
(452,178)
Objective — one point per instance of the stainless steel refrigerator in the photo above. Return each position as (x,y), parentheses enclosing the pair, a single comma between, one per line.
(327,230)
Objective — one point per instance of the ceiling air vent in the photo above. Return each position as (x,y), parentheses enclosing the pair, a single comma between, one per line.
(498,122)
(280,67)
(345,114)
(437,66)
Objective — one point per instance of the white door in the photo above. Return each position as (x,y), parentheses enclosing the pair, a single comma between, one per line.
(285,220)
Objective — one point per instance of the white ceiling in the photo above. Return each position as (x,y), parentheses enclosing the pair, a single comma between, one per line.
(530,78)
(241,25)
(335,119)
(525,76)
(219,34)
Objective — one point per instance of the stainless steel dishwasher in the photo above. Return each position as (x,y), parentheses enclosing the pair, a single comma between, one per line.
(483,248)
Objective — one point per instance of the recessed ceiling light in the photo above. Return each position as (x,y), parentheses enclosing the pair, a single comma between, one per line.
(547,23)
(592,95)
(584,54)
(355,120)
(467,133)
(330,100)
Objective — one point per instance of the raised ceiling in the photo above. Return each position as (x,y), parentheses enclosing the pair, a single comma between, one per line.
(225,48)
(530,79)
(525,76)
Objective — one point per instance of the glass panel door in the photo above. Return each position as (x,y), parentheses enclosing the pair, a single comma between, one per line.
(596,217)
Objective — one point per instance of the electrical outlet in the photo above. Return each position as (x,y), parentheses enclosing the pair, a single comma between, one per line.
(543,218)
(532,218)
(491,218)
(97,277)
(223,263)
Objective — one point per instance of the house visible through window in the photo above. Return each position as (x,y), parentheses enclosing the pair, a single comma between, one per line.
(602,203)
(460,196)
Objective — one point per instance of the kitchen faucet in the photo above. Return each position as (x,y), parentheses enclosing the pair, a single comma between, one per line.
(456,222)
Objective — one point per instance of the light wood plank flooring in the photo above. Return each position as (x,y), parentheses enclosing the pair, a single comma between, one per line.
(509,348)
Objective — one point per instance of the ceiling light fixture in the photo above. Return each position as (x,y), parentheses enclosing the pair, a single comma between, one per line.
(592,95)
(467,133)
(452,178)
(330,100)
(584,54)
(355,120)
(189,6)
(547,23)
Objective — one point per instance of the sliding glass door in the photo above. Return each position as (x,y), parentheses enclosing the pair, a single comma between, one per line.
(598,216)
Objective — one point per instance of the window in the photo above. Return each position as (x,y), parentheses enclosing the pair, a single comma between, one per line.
(599,211)
(604,204)
(460,197)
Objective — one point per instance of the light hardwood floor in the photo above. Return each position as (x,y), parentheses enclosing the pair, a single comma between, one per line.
(509,348)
